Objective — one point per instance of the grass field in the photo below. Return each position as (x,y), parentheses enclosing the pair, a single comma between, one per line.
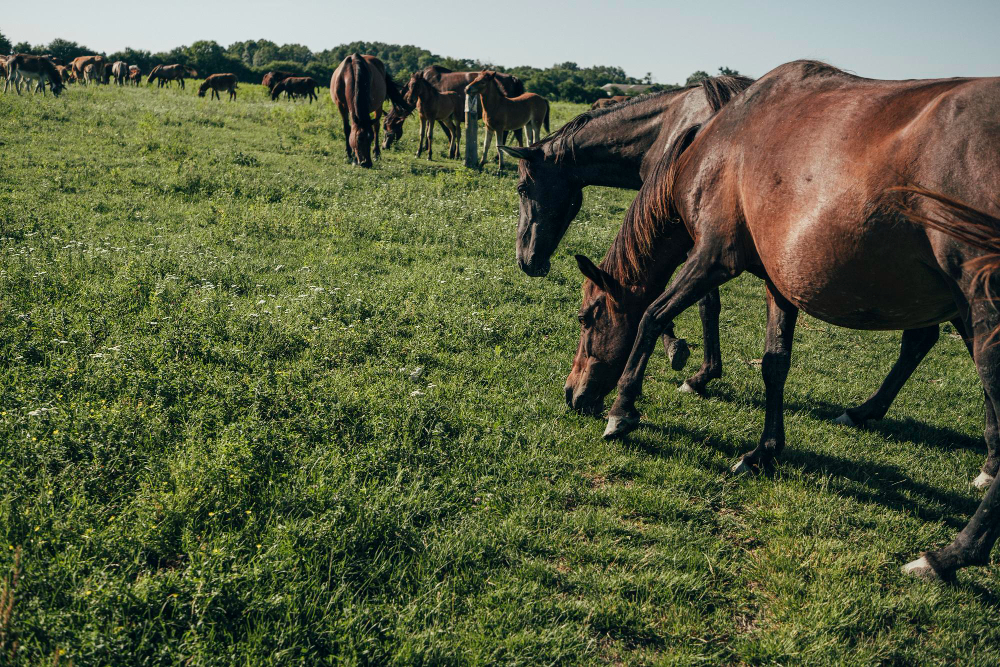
(258,406)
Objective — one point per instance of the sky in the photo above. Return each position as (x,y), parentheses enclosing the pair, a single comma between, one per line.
(885,39)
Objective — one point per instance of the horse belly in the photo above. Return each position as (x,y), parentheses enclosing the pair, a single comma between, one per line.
(876,276)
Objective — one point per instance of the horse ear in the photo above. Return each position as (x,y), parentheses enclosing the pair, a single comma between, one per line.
(601,278)
(526,153)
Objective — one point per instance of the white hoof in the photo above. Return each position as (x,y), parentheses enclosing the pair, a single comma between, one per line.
(845,419)
(619,426)
(983,481)
(741,468)
(687,389)
(920,568)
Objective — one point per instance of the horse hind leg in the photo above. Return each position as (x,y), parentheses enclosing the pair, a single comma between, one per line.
(973,544)
(709,309)
(915,345)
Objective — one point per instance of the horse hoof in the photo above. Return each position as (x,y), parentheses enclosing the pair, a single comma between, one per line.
(983,481)
(620,426)
(920,568)
(678,352)
(740,468)
(845,419)
(688,389)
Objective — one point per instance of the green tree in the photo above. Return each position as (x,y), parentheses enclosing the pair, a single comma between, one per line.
(725,71)
(5,45)
(66,50)
(696,77)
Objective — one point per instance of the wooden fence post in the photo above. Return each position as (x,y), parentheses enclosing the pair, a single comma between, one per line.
(472,131)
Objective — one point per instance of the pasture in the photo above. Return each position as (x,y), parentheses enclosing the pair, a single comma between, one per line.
(259,406)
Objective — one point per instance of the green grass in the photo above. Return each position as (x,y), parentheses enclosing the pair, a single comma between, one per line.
(258,406)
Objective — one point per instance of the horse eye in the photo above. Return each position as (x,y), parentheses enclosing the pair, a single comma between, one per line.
(522,190)
(581,318)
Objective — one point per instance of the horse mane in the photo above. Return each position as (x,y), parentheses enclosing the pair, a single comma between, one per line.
(440,69)
(653,208)
(153,72)
(719,90)
(396,97)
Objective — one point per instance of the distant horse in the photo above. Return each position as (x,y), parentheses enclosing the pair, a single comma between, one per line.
(445,79)
(135,75)
(37,69)
(164,74)
(359,87)
(119,70)
(65,73)
(302,86)
(608,101)
(432,105)
(108,73)
(90,74)
(219,82)
(796,181)
(500,112)
(272,78)
(79,66)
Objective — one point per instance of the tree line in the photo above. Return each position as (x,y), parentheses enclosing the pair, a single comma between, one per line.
(249,60)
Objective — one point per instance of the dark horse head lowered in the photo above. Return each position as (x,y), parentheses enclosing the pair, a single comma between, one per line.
(614,147)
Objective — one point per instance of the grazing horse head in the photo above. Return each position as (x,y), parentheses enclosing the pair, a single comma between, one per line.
(545,211)
(393,125)
(617,293)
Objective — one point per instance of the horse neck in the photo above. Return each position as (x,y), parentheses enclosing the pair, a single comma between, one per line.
(491,98)
(609,150)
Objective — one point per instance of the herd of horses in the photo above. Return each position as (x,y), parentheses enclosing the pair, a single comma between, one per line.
(868,204)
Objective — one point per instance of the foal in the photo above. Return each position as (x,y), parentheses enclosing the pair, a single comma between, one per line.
(433,105)
(219,82)
(502,113)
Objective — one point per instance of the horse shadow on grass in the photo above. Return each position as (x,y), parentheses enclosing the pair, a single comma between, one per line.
(894,429)
(869,482)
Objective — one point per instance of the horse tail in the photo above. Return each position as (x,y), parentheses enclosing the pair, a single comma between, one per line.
(545,121)
(362,91)
(395,96)
(152,74)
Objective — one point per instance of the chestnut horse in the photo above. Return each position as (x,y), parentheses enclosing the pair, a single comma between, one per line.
(447,107)
(79,66)
(608,101)
(292,86)
(273,77)
(219,82)
(358,88)
(502,113)
(164,74)
(795,181)
(135,75)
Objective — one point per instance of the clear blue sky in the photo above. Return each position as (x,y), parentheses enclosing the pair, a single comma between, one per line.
(875,38)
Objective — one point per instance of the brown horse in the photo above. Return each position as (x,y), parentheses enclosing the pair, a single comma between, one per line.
(164,74)
(219,82)
(445,80)
(359,87)
(292,86)
(608,102)
(37,69)
(804,199)
(615,147)
(447,107)
(119,70)
(135,75)
(79,66)
(501,113)
(107,73)
(273,77)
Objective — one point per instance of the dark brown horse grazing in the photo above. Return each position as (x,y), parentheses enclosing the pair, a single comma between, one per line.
(37,69)
(218,82)
(793,181)
(301,86)
(273,77)
(164,74)
(359,87)
(432,105)
(615,147)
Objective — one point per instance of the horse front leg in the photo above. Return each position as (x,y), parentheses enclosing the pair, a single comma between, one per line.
(781,316)
(423,131)
(702,272)
(486,146)
(346,120)
(378,145)
(430,140)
